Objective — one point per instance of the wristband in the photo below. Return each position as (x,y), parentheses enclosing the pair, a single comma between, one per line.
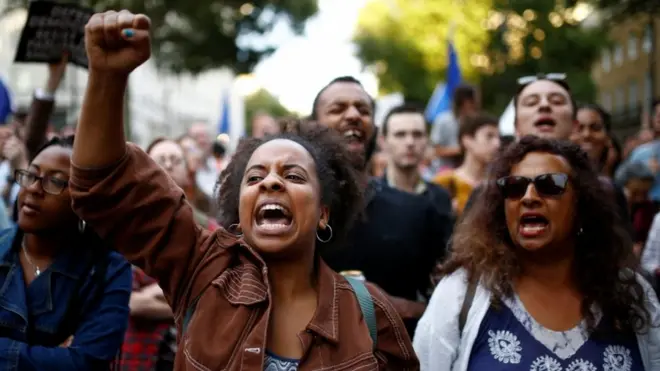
(42,94)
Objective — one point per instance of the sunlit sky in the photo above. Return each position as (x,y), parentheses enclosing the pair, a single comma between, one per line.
(304,64)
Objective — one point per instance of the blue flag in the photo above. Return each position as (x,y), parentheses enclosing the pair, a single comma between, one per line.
(224,124)
(441,100)
(5,103)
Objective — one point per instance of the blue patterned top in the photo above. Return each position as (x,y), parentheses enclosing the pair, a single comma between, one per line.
(510,339)
(277,363)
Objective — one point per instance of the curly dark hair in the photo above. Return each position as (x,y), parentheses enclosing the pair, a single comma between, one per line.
(604,263)
(341,186)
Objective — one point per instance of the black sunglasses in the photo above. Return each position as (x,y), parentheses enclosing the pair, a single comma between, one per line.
(515,187)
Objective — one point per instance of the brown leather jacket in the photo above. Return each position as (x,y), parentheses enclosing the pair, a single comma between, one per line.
(138,207)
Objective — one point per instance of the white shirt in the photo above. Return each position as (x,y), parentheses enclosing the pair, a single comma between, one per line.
(440,346)
(651,255)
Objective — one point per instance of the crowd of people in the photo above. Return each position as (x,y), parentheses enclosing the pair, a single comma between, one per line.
(328,243)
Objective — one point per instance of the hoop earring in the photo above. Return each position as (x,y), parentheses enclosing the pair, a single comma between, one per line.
(235,230)
(321,240)
(81,226)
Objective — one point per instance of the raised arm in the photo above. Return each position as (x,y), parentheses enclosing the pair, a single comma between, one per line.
(116,44)
(118,189)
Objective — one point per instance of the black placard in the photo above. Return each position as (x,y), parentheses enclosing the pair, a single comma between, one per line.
(52,28)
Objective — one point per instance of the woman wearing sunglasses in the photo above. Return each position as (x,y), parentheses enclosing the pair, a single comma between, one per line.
(542,276)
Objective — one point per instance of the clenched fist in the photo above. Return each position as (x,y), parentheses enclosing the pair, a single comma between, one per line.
(117,42)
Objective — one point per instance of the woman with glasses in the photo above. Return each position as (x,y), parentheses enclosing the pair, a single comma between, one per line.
(63,297)
(170,155)
(194,162)
(542,276)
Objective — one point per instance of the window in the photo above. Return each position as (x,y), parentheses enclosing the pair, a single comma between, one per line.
(633,101)
(606,62)
(646,43)
(632,47)
(606,101)
(648,94)
(618,54)
(619,100)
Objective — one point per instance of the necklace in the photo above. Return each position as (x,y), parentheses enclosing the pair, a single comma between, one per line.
(37,271)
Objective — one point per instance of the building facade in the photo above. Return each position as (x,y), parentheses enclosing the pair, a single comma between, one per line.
(627,75)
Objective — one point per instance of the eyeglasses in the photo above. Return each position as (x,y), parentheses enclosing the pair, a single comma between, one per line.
(548,185)
(49,184)
(555,76)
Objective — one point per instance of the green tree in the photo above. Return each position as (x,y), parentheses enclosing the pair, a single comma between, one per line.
(405,41)
(528,37)
(497,42)
(196,35)
(617,9)
(262,101)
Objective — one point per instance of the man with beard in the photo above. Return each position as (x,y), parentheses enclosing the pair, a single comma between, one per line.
(401,236)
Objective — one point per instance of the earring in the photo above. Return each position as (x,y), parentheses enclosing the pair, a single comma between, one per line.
(580,231)
(327,228)
(235,230)
(81,226)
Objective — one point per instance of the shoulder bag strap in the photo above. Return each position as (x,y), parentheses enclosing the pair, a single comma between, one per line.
(467,304)
(366,305)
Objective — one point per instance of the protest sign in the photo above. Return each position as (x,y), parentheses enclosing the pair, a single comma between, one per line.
(51,29)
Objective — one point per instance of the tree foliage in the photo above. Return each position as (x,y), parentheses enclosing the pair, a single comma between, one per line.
(497,41)
(405,41)
(528,37)
(618,10)
(262,101)
(194,35)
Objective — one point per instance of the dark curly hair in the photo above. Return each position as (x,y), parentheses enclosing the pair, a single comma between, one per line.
(604,264)
(341,186)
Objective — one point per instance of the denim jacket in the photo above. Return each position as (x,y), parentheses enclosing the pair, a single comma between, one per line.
(30,316)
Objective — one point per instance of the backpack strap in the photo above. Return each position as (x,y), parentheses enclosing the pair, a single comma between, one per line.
(366,305)
(467,304)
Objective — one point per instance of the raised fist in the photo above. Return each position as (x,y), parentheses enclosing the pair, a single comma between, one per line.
(117,42)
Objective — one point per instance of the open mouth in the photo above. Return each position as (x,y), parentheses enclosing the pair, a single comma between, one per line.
(545,124)
(354,136)
(533,225)
(273,216)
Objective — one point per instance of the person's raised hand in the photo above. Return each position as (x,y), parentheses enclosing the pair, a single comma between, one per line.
(117,42)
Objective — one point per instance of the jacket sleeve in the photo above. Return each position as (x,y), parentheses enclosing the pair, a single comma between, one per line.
(437,339)
(651,353)
(97,339)
(143,214)
(394,349)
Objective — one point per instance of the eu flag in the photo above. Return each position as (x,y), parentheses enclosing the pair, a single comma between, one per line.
(5,103)
(441,100)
